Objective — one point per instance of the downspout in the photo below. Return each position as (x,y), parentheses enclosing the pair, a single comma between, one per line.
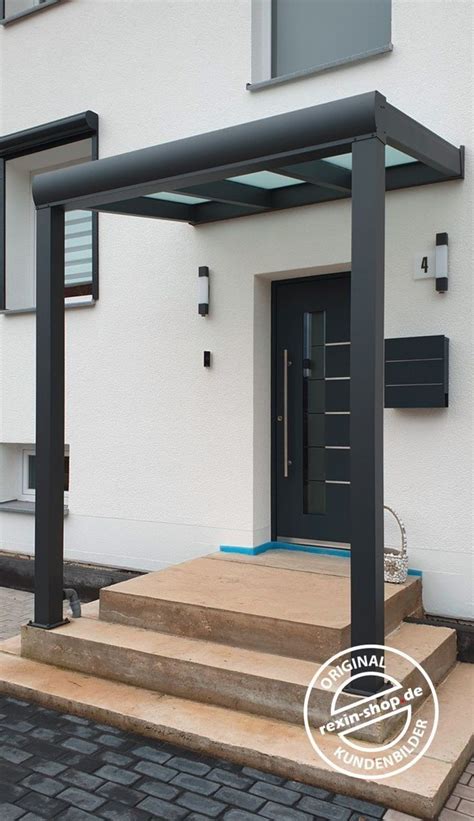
(74,602)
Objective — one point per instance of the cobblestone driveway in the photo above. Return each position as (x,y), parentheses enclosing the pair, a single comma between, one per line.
(60,766)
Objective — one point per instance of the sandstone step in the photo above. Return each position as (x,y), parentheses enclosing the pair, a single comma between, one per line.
(241,679)
(290,612)
(252,740)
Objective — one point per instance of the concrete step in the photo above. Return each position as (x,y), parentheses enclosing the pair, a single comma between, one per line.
(241,679)
(252,740)
(290,612)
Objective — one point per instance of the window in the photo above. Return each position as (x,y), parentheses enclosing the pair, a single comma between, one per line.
(20,163)
(291,38)
(14,9)
(28,474)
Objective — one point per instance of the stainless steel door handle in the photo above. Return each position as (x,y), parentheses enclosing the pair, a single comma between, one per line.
(285,413)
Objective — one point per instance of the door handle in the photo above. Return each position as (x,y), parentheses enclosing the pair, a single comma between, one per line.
(285,414)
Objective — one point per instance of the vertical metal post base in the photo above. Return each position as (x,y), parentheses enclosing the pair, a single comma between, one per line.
(48,626)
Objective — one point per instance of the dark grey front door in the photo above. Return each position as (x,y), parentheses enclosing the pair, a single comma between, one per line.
(311,383)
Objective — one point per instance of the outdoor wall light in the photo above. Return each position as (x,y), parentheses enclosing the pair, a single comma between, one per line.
(203,290)
(441,267)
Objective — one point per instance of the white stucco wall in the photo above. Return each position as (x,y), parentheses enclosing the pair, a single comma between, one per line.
(169,460)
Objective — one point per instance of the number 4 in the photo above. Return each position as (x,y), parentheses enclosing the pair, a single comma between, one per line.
(424,264)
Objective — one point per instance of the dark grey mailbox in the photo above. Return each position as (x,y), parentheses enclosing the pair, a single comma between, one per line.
(416,372)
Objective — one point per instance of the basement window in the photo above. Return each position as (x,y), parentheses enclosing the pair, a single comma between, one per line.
(18,478)
(28,485)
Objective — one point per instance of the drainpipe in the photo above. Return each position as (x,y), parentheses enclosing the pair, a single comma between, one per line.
(74,602)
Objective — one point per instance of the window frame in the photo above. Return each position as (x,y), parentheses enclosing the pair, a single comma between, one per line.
(12,18)
(42,138)
(28,494)
(263,51)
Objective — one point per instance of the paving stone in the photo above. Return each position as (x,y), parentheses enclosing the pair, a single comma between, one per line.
(85,781)
(230,779)
(187,765)
(110,773)
(81,799)
(467,807)
(238,798)
(194,783)
(307,789)
(117,812)
(31,816)
(75,814)
(241,815)
(158,789)
(202,804)
(463,791)
(44,734)
(151,754)
(42,784)
(119,793)
(9,812)
(45,749)
(42,805)
(278,813)
(323,809)
(453,815)
(13,754)
(364,807)
(75,719)
(115,758)
(465,777)
(13,739)
(105,728)
(452,802)
(111,740)
(155,771)
(79,731)
(18,726)
(273,793)
(42,765)
(162,809)
(9,773)
(258,776)
(80,746)
(86,763)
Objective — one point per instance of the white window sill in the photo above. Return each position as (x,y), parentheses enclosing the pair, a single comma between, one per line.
(12,18)
(69,304)
(310,72)
(17,506)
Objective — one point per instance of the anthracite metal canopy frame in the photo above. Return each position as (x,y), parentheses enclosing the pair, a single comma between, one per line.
(330,151)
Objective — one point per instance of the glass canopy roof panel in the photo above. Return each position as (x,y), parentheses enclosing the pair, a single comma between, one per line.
(392,157)
(267,180)
(185,199)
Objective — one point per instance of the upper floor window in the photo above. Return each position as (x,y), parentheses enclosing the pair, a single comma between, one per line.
(292,38)
(13,9)
(19,165)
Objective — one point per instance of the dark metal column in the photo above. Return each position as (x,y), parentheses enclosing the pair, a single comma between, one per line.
(367,395)
(49,519)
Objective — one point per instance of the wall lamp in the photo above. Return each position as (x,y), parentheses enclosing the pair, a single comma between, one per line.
(441,266)
(203,290)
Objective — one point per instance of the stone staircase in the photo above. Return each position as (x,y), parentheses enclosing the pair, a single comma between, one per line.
(217,654)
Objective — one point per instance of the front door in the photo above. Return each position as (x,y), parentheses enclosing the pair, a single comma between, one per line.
(311,384)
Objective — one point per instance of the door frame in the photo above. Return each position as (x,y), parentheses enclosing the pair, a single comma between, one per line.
(273,393)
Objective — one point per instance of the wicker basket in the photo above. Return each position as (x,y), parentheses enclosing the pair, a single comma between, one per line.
(396,560)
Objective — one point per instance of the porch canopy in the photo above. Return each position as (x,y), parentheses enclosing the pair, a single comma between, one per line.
(357,147)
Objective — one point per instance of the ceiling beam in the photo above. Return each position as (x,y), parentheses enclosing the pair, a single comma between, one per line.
(148,207)
(319,172)
(232,193)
